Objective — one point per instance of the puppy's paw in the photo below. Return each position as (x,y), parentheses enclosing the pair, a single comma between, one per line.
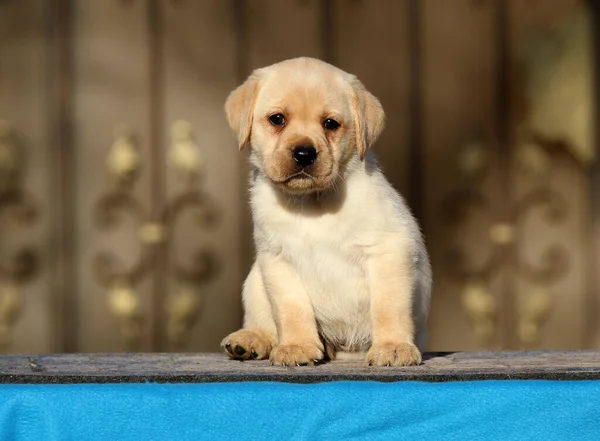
(296,355)
(393,354)
(248,344)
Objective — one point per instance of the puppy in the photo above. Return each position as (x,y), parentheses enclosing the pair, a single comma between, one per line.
(341,266)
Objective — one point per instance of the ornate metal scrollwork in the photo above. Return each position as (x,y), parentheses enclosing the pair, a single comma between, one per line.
(184,303)
(154,234)
(16,205)
(478,300)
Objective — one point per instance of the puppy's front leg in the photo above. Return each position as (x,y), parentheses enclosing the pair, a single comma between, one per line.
(298,338)
(390,275)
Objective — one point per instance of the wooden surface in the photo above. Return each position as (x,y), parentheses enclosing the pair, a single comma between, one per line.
(202,368)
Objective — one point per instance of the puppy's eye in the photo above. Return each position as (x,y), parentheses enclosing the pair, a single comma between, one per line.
(277,120)
(331,124)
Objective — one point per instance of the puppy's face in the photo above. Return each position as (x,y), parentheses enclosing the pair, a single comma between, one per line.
(302,129)
(304,120)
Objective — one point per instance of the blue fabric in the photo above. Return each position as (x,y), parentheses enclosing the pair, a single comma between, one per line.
(507,410)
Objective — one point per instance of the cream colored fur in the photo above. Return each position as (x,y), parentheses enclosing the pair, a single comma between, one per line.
(341,267)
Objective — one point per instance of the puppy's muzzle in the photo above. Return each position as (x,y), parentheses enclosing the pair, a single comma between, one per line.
(304,155)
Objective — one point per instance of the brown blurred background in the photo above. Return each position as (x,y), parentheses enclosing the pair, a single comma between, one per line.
(123,212)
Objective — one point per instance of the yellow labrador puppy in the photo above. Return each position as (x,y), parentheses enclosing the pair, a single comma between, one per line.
(341,265)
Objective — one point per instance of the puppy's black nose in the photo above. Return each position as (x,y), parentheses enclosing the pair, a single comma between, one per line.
(304,155)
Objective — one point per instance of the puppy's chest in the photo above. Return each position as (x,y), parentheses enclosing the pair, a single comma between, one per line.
(331,262)
(326,251)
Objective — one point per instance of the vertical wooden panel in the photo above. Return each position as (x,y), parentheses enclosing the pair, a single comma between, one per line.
(23,101)
(594,245)
(371,40)
(594,255)
(59,80)
(112,88)
(280,31)
(565,325)
(199,74)
(458,85)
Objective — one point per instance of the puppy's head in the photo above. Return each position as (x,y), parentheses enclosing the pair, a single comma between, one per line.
(304,119)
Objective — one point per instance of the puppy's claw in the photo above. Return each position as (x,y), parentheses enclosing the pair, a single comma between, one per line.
(248,344)
(295,355)
(390,354)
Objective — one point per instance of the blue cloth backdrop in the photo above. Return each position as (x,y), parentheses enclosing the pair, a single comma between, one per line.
(481,410)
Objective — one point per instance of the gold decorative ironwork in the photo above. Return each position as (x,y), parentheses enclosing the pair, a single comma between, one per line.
(558,65)
(155,236)
(533,155)
(502,234)
(152,233)
(182,309)
(123,161)
(473,159)
(10,161)
(10,306)
(479,303)
(183,305)
(184,154)
(533,310)
(482,308)
(16,204)
(124,303)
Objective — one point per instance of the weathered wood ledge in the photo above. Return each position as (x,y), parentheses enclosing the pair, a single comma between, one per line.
(203,368)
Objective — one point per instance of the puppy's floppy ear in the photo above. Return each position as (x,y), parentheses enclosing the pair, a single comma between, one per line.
(369,117)
(239,107)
